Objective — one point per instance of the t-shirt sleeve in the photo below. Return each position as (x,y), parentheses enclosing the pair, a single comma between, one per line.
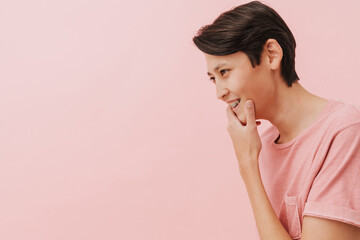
(335,192)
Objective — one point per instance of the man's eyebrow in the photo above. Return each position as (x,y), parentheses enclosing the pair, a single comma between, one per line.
(217,67)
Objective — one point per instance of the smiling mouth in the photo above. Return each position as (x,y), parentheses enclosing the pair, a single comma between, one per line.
(235,103)
(236,107)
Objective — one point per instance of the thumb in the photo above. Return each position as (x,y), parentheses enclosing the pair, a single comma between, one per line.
(250,113)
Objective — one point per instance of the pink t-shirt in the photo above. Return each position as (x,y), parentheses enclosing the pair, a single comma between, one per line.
(318,172)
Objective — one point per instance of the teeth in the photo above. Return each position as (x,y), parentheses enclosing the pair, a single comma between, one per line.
(235,103)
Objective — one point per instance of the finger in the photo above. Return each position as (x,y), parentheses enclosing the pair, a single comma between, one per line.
(230,114)
(250,113)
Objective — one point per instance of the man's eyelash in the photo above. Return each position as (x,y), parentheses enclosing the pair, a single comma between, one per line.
(213,79)
(224,70)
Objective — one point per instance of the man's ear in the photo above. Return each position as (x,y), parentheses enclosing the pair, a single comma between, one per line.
(273,53)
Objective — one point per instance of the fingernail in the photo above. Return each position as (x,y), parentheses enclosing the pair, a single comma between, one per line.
(249,103)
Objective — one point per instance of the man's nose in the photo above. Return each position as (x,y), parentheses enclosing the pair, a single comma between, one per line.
(221,93)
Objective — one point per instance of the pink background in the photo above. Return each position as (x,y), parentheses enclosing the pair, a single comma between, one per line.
(110,128)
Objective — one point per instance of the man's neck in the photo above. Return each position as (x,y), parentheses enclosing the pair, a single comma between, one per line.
(296,110)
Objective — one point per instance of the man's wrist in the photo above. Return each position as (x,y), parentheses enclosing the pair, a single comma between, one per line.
(248,167)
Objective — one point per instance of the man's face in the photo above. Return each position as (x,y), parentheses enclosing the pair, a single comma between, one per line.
(238,79)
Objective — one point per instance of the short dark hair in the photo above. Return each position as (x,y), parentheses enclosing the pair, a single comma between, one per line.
(246,28)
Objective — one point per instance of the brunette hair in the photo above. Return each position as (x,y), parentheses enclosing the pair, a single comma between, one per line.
(246,28)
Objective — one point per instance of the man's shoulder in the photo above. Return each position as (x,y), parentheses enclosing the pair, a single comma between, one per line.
(343,114)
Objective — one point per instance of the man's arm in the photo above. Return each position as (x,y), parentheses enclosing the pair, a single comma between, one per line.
(268,224)
(326,229)
(270,227)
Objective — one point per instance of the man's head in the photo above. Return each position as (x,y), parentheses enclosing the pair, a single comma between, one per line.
(259,50)
(246,28)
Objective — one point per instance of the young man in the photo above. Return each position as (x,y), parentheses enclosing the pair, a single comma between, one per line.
(302,174)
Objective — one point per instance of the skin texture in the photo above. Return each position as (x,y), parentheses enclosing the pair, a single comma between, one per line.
(289,109)
(325,229)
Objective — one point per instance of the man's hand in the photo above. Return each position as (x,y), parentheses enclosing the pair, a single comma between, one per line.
(245,138)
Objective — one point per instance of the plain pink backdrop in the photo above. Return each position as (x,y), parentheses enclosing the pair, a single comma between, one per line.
(110,128)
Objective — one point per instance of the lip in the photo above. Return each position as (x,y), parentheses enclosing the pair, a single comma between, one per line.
(233,100)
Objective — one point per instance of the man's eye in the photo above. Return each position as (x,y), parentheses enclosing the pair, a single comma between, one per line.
(212,79)
(223,70)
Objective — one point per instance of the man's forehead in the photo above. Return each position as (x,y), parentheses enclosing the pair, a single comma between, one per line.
(229,57)
(215,62)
